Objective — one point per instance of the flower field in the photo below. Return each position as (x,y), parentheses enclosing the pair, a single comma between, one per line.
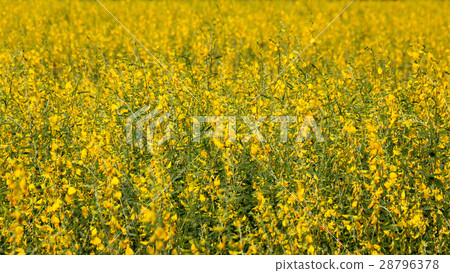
(375,82)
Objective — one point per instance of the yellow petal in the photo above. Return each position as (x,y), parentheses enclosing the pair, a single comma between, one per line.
(129,251)
(71,191)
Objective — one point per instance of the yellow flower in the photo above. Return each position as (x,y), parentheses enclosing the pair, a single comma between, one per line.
(194,248)
(71,191)
(96,241)
(118,195)
(160,233)
(254,149)
(202,198)
(20,251)
(217,182)
(218,143)
(148,216)
(115,181)
(93,231)
(129,251)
